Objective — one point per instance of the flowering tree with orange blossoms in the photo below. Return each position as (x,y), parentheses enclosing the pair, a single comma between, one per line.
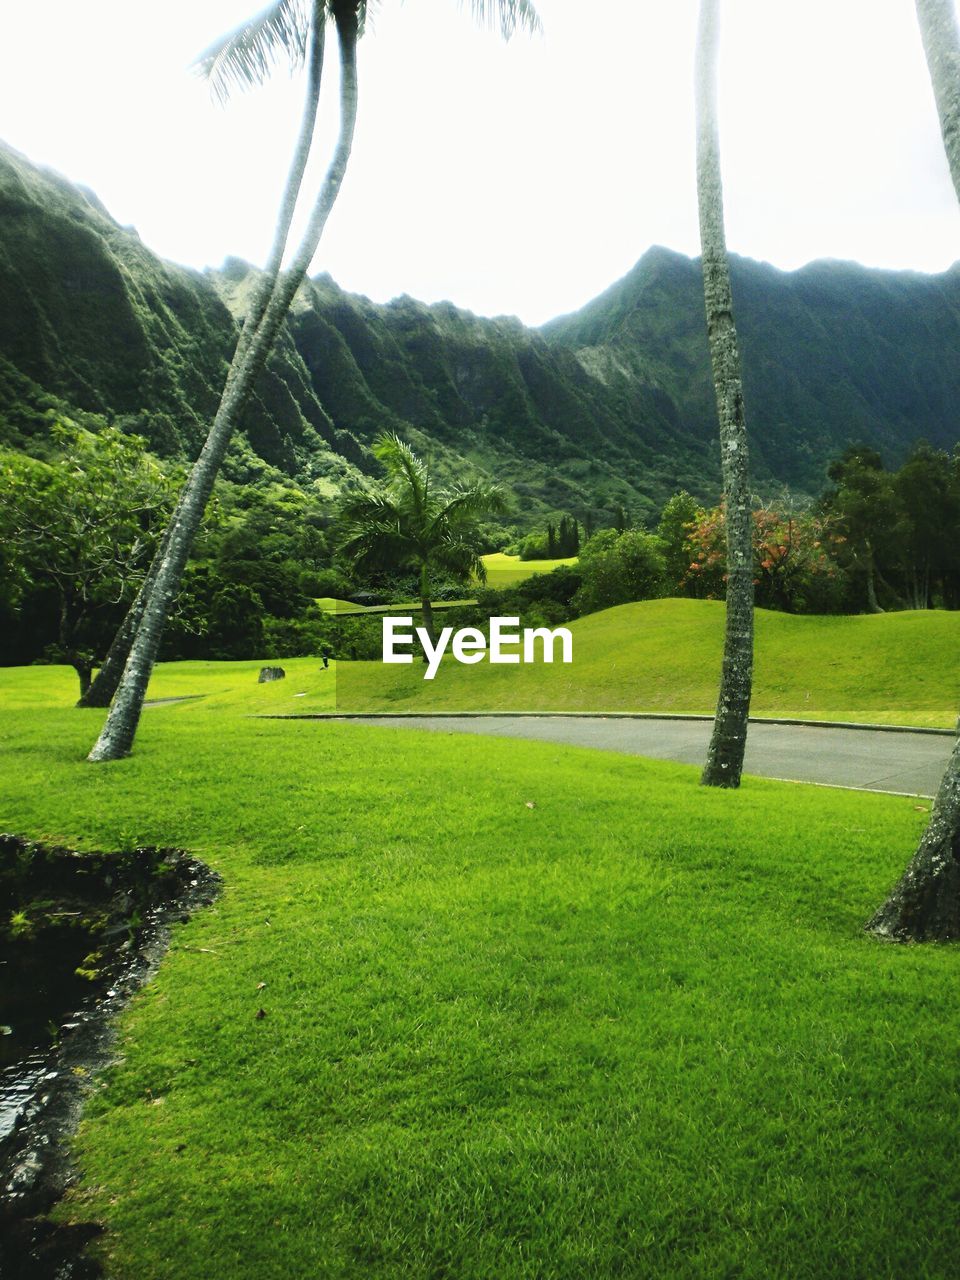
(793,554)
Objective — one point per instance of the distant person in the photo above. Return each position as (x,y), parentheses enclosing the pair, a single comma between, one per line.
(326,653)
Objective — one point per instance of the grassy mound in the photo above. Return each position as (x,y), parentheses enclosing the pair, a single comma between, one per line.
(522,1016)
(664,655)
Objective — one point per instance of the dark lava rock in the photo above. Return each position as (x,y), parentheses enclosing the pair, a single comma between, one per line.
(36,1249)
(79,934)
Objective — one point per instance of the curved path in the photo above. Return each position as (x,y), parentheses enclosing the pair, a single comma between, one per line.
(909,763)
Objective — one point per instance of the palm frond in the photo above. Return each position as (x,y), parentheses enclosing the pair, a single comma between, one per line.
(247,56)
(368,505)
(376,546)
(458,557)
(476,500)
(403,466)
(508,14)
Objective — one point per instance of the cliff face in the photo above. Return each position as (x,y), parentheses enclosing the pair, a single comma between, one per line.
(611,405)
(833,353)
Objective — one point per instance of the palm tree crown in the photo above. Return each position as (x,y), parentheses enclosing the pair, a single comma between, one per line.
(248,55)
(407,523)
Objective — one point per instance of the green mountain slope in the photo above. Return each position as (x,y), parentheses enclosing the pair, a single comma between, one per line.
(612,405)
(91,321)
(833,353)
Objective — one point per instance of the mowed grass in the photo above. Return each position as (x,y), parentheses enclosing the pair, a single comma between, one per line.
(659,656)
(664,655)
(506,571)
(528,1012)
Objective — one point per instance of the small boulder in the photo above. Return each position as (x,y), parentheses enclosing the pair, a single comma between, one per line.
(271,673)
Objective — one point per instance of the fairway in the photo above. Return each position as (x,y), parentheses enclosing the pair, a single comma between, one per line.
(347,608)
(659,656)
(506,571)
(525,1015)
(664,655)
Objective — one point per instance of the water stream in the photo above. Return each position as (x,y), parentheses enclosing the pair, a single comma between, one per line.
(79,933)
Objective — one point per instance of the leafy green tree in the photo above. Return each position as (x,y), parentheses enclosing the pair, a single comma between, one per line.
(863,506)
(926,490)
(83,526)
(535,546)
(678,517)
(406,523)
(617,568)
(568,538)
(729,739)
(294,30)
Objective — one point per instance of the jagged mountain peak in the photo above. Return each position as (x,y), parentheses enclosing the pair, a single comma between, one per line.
(611,404)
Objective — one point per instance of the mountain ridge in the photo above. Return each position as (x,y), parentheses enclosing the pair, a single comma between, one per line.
(612,404)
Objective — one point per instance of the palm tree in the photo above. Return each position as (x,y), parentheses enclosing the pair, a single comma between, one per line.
(925,904)
(406,524)
(292,28)
(941,44)
(729,739)
(242,59)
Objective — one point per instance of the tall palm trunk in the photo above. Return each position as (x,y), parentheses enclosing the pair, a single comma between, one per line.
(120,729)
(267,281)
(925,905)
(941,44)
(101,691)
(729,739)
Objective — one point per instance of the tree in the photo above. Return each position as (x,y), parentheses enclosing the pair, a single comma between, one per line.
(925,904)
(729,739)
(926,492)
(288,28)
(863,505)
(406,524)
(617,568)
(678,517)
(793,568)
(83,527)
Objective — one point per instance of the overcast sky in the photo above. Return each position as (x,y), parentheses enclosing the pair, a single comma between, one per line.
(520,178)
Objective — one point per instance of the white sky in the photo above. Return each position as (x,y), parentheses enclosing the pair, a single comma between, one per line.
(520,178)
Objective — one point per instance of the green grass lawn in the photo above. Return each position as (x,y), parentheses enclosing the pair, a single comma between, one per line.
(664,655)
(528,1014)
(506,571)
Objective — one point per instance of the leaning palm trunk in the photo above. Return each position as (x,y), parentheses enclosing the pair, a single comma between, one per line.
(104,686)
(101,690)
(728,742)
(267,281)
(120,729)
(925,905)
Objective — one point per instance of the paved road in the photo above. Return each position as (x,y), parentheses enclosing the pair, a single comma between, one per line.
(911,763)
